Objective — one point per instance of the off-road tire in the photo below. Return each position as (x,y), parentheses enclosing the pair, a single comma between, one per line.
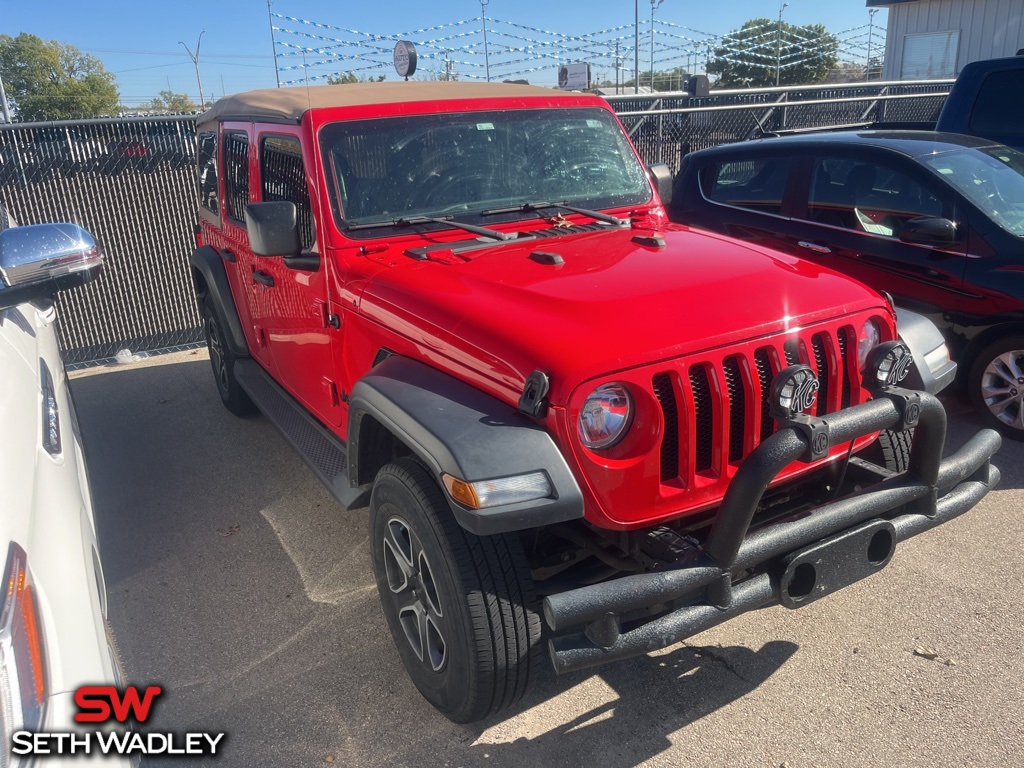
(475,593)
(891,450)
(1012,408)
(222,360)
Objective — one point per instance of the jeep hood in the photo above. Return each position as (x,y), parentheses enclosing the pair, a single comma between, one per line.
(613,304)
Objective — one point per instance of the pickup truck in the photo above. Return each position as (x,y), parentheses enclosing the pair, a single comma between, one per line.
(986,101)
(463,305)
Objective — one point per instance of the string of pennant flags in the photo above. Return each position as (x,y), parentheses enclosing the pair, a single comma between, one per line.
(308,51)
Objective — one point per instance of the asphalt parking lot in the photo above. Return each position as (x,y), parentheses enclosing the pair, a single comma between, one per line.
(238,585)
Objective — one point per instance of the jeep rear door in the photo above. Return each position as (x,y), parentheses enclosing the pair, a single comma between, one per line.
(238,171)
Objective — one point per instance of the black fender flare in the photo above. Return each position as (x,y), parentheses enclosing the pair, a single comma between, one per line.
(207,262)
(456,429)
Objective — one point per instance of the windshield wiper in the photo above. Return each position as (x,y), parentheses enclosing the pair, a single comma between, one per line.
(544,205)
(412,221)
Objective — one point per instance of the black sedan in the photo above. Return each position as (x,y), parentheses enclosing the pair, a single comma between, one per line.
(934,219)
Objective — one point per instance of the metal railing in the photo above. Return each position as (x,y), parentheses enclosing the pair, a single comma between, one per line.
(666,126)
(132,183)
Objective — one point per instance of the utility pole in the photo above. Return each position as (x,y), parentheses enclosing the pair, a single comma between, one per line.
(778,46)
(195,60)
(273,45)
(654,4)
(483,19)
(636,46)
(618,66)
(871,29)
(3,103)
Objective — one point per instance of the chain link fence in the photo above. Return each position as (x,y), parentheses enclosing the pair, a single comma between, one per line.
(132,184)
(665,127)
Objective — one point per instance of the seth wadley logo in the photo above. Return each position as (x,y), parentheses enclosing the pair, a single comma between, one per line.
(103,704)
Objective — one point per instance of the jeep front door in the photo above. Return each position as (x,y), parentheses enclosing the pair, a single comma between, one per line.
(300,329)
(850,220)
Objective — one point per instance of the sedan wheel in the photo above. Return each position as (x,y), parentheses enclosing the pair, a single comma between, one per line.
(997,385)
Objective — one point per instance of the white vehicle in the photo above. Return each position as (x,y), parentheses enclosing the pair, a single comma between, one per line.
(53,630)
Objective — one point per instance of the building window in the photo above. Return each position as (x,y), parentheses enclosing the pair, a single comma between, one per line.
(284,178)
(930,55)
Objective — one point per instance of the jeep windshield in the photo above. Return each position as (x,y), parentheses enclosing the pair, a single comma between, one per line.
(468,165)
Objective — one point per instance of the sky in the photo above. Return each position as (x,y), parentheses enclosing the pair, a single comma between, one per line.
(140,41)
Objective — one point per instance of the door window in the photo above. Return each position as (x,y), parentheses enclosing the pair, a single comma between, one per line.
(757,184)
(208,172)
(236,175)
(999,110)
(284,178)
(866,197)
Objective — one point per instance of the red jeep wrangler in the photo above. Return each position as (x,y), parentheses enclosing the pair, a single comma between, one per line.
(463,305)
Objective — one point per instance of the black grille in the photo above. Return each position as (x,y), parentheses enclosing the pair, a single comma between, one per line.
(705,417)
(843,374)
(666,395)
(763,361)
(737,407)
(821,360)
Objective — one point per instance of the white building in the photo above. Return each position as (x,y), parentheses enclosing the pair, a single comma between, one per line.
(934,39)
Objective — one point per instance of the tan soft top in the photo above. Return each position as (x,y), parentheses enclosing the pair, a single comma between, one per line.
(293,103)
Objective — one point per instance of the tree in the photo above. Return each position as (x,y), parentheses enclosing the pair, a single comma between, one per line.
(664,80)
(846,72)
(169,101)
(49,80)
(747,57)
(350,77)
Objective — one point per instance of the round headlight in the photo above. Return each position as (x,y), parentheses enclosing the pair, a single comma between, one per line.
(605,416)
(869,338)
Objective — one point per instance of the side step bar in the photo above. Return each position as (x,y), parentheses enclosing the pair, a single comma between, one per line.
(322,451)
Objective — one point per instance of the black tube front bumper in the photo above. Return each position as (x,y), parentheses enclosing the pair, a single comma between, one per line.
(793,562)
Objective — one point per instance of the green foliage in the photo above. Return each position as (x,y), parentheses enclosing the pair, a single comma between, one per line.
(748,56)
(350,77)
(49,80)
(664,80)
(169,101)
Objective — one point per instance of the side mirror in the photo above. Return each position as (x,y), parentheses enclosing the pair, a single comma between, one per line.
(273,228)
(929,230)
(661,175)
(38,260)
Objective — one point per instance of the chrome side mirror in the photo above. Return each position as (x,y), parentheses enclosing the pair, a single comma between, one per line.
(38,260)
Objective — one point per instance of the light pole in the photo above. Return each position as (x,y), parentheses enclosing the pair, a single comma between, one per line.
(483,18)
(636,46)
(654,4)
(871,29)
(778,46)
(195,60)
(273,44)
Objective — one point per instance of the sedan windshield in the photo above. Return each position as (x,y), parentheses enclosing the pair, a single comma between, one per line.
(461,164)
(992,178)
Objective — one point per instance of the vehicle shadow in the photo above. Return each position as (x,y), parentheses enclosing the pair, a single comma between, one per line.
(656,696)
